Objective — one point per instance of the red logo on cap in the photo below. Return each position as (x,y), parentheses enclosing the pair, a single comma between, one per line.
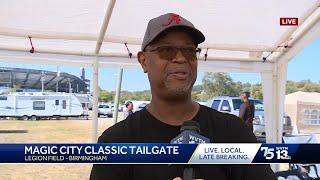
(173,17)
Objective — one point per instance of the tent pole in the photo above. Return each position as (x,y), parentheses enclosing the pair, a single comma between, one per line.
(96,70)
(268,101)
(117,96)
(273,85)
(95,79)
(302,19)
(104,26)
(280,93)
(300,38)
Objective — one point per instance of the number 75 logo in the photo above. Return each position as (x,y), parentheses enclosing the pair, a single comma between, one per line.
(268,152)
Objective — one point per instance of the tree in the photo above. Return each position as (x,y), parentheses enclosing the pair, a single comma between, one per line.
(197,88)
(219,84)
(238,87)
(302,83)
(105,96)
(208,85)
(256,91)
(246,87)
(311,87)
(291,87)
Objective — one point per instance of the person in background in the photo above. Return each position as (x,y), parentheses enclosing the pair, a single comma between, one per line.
(128,111)
(246,112)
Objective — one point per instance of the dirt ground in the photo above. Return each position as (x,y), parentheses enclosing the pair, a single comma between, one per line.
(55,131)
(48,131)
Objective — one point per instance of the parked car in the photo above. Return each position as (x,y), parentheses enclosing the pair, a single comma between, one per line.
(231,105)
(140,106)
(105,110)
(137,105)
(259,126)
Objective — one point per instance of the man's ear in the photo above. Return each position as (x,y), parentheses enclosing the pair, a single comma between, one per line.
(142,61)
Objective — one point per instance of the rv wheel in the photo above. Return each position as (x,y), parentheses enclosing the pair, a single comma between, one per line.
(33,118)
(25,118)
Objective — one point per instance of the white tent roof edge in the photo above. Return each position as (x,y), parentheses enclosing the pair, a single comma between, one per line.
(123,61)
(13,32)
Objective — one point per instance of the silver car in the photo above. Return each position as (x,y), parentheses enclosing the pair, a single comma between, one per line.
(105,110)
(231,105)
(259,127)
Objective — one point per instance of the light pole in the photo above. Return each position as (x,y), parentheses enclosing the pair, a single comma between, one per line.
(42,81)
(57,83)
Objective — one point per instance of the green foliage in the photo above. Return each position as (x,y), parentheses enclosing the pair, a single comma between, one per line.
(304,85)
(215,84)
(256,91)
(106,96)
(197,88)
(219,84)
(291,87)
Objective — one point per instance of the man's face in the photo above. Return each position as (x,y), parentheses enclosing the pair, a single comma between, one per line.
(242,97)
(171,75)
(130,106)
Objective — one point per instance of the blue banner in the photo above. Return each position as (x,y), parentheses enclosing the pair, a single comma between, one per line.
(95,153)
(288,153)
(209,153)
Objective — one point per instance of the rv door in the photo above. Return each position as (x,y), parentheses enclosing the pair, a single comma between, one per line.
(57,107)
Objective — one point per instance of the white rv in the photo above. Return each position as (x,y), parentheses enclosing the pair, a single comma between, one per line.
(36,105)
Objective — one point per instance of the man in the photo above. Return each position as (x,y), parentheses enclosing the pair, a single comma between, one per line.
(169,57)
(246,112)
(128,111)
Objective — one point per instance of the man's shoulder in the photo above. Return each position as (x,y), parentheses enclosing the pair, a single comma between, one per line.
(122,131)
(228,127)
(220,117)
(243,105)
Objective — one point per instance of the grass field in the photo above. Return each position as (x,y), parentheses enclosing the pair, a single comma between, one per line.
(48,131)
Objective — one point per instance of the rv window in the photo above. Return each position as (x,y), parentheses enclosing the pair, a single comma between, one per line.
(64,104)
(39,105)
(3,98)
(57,102)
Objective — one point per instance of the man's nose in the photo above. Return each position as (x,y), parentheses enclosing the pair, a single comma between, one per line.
(179,58)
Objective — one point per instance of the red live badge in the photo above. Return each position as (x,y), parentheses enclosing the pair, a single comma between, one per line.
(288,21)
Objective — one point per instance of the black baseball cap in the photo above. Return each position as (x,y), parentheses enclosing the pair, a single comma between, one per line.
(162,23)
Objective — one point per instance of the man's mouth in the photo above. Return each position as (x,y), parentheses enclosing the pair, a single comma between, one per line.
(179,74)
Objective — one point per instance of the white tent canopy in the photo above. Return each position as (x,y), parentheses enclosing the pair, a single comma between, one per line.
(244,30)
(239,34)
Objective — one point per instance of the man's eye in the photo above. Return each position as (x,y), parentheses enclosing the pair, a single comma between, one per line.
(190,50)
(165,49)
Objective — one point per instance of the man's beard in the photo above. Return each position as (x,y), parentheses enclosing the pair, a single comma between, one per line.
(176,92)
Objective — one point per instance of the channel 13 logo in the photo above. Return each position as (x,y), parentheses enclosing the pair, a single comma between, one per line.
(277,152)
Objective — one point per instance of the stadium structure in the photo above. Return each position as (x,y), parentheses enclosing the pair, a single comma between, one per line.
(39,80)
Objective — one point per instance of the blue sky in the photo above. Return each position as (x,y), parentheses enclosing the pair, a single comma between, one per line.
(306,65)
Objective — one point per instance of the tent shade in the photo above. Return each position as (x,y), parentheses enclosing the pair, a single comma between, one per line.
(234,29)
